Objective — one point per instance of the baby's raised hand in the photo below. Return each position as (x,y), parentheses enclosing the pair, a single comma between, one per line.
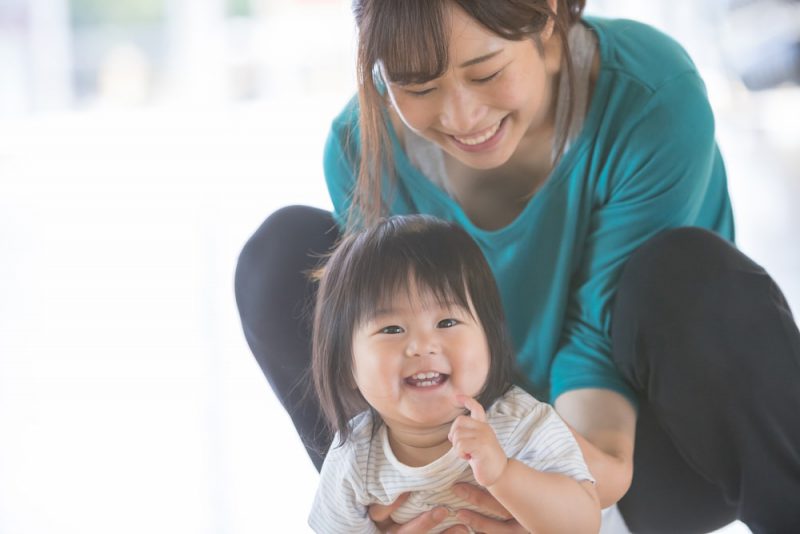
(475,441)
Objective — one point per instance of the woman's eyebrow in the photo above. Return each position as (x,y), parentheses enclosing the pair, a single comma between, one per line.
(479,59)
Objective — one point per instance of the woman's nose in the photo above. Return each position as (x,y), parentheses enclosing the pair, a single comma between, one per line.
(462,112)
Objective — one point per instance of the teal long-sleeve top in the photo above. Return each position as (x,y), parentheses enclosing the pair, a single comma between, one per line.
(645,161)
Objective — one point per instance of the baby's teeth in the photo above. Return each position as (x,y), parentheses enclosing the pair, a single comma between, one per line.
(423,376)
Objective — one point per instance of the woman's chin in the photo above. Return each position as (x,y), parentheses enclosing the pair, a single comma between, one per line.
(482,161)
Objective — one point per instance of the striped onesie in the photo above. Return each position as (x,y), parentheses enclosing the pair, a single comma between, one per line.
(364,470)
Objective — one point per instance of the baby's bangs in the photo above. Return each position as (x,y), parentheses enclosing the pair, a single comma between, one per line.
(393,272)
(412,45)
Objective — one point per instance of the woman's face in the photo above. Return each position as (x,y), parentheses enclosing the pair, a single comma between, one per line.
(493,93)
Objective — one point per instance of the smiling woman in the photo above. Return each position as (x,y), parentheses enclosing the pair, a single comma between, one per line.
(580,154)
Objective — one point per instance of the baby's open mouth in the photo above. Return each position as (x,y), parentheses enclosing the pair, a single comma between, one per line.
(426,379)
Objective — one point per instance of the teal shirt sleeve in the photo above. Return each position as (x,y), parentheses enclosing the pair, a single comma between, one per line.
(339,177)
(340,163)
(655,176)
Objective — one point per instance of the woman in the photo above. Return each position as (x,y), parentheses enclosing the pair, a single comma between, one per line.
(580,155)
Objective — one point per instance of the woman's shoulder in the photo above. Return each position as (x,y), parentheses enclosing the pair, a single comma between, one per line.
(346,121)
(343,143)
(639,52)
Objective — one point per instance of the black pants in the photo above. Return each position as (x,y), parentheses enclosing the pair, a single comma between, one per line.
(701,332)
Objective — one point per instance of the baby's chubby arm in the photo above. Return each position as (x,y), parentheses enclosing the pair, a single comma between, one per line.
(541,502)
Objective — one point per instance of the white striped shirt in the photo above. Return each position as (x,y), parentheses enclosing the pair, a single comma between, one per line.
(364,470)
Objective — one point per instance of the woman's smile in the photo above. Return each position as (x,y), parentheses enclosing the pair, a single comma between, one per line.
(485,140)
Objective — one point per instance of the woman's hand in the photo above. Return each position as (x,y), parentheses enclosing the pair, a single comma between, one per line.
(422,524)
(483,500)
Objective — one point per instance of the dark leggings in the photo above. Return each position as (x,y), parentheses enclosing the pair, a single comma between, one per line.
(701,332)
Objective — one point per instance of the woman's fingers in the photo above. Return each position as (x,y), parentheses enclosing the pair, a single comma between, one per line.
(381,513)
(381,516)
(421,524)
(482,523)
(481,499)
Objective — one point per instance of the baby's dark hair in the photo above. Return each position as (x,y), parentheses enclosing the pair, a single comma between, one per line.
(370,266)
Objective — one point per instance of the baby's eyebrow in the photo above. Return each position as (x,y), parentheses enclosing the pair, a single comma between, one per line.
(378,314)
(381,312)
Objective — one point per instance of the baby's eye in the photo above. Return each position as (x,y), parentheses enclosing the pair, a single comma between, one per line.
(446,323)
(393,329)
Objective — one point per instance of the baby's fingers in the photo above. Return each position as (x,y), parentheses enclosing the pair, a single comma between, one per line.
(476,411)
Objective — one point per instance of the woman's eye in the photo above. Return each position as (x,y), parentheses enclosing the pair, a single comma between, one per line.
(420,92)
(394,329)
(446,323)
(488,78)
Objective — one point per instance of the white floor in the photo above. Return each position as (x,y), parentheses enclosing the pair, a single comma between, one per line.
(129,401)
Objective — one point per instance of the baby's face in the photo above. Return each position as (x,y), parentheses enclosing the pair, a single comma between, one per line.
(414,355)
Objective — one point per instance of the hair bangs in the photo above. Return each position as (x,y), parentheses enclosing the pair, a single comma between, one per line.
(392,270)
(411,45)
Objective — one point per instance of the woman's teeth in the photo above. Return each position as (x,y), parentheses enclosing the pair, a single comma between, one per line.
(478,139)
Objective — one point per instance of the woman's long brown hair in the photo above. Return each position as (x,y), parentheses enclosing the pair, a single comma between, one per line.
(409,39)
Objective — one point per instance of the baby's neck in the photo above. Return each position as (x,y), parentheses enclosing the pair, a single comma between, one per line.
(419,447)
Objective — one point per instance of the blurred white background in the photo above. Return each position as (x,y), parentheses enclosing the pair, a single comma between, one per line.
(141,143)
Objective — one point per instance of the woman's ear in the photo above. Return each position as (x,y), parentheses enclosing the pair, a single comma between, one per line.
(550,43)
(547,32)
(380,79)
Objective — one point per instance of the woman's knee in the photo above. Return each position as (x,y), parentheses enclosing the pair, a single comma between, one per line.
(272,264)
(675,267)
(674,287)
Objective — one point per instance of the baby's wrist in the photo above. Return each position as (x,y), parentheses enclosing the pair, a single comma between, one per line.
(500,475)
